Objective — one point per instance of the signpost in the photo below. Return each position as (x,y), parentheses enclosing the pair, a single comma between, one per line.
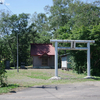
(73,47)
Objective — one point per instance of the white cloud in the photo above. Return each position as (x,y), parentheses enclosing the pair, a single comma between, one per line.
(7,4)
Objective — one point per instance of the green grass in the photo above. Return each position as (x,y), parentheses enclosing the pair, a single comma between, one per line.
(8,88)
(35,77)
(39,75)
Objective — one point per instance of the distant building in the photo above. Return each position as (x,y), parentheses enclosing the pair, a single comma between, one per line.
(65,61)
(43,55)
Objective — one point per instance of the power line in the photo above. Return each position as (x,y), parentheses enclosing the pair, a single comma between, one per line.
(8,8)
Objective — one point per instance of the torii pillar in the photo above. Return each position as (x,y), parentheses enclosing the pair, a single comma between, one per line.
(73,47)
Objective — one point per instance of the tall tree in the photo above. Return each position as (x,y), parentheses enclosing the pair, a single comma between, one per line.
(6,31)
(84,14)
(40,20)
(41,25)
(80,62)
(59,15)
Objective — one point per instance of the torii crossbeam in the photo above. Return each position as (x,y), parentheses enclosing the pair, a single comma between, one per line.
(73,47)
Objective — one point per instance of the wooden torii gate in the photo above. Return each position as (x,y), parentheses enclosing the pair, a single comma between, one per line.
(73,47)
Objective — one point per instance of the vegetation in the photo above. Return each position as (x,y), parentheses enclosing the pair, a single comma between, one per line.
(66,19)
(8,88)
(3,81)
(38,77)
(75,20)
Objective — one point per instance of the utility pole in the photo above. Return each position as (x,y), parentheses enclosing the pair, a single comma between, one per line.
(17,53)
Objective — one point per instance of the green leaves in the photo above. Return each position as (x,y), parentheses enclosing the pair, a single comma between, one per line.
(87,33)
(67,19)
(3,81)
(81,22)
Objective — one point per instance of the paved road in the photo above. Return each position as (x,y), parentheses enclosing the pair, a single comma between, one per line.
(76,91)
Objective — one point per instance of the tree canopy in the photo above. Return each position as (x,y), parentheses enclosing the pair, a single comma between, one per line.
(66,19)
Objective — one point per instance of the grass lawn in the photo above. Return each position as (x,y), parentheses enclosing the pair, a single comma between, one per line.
(8,88)
(34,77)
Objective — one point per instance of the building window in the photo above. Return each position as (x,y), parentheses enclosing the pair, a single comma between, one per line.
(44,61)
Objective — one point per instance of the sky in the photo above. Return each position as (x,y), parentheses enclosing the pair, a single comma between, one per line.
(27,6)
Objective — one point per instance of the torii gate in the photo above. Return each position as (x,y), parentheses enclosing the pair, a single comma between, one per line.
(73,47)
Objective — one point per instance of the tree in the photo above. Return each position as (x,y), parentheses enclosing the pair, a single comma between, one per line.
(10,27)
(5,32)
(20,27)
(59,13)
(3,81)
(41,25)
(84,14)
(40,21)
(83,20)
(80,62)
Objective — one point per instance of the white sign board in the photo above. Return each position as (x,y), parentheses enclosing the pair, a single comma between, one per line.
(64,62)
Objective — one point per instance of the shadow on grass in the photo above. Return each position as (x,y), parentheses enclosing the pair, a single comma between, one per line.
(13,86)
(16,68)
(73,78)
(9,88)
(96,79)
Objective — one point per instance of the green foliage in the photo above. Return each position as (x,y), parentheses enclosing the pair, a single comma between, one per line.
(85,33)
(3,78)
(8,88)
(68,19)
(18,24)
(84,14)
(59,13)
(82,23)
(40,75)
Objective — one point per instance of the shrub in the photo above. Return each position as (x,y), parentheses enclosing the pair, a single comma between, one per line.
(3,77)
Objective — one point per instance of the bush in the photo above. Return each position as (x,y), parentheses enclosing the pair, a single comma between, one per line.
(3,77)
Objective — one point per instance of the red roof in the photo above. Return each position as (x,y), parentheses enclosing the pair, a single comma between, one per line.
(41,49)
